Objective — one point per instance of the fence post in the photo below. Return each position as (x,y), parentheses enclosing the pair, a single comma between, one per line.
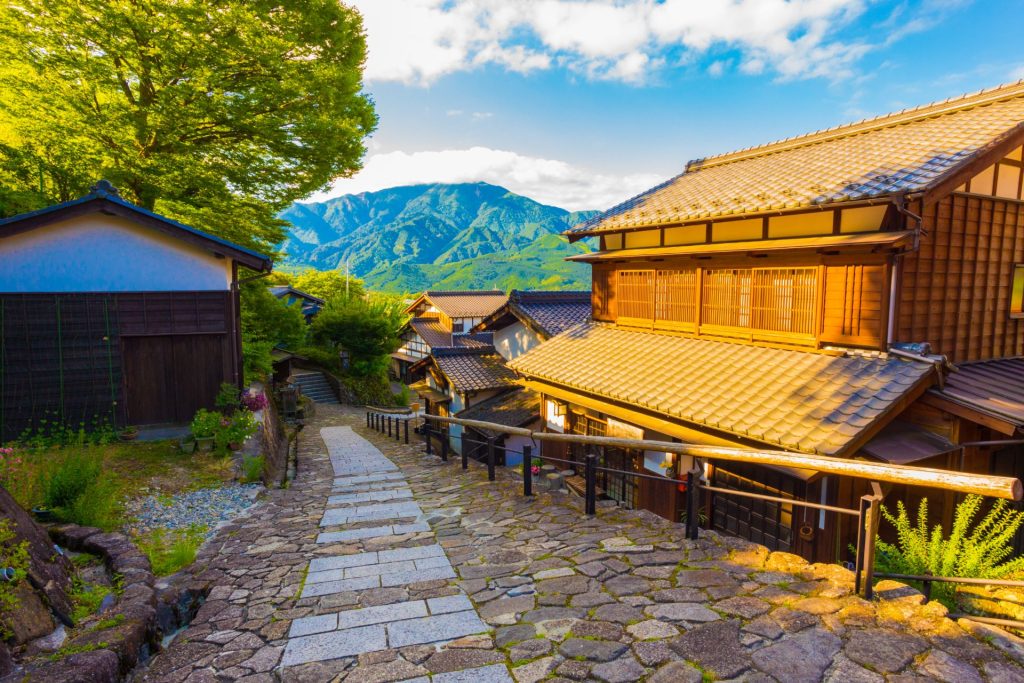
(426,433)
(407,431)
(927,588)
(398,432)
(490,458)
(367,419)
(692,519)
(867,534)
(590,470)
(527,470)
(389,426)
(444,445)
(465,455)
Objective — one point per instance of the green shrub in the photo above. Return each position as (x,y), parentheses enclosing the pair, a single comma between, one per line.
(227,398)
(97,506)
(68,478)
(205,423)
(14,555)
(257,363)
(974,551)
(369,329)
(169,552)
(252,468)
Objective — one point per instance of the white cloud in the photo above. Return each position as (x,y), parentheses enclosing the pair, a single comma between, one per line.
(418,41)
(548,181)
(1017,74)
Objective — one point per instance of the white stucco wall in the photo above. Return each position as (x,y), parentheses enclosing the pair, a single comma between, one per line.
(98,253)
(515,340)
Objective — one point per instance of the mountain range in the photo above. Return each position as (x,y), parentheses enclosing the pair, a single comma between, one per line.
(441,236)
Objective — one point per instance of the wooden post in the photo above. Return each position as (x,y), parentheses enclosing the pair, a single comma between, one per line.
(389,426)
(444,445)
(398,432)
(867,536)
(590,500)
(407,431)
(490,458)
(692,520)
(367,419)
(465,456)
(426,433)
(527,471)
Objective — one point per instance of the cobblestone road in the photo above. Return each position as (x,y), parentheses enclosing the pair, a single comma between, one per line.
(381,564)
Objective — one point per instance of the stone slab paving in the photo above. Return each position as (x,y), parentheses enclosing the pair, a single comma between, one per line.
(620,597)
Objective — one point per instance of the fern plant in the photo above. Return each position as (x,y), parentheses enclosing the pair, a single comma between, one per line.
(971,550)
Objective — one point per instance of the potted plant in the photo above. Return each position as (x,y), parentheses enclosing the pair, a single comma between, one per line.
(129,433)
(205,424)
(187,444)
(232,433)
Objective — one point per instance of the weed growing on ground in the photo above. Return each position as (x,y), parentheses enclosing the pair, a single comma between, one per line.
(73,488)
(86,598)
(169,551)
(252,468)
(15,556)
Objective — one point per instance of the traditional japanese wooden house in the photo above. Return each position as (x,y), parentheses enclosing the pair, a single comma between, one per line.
(441,319)
(310,304)
(529,318)
(855,292)
(112,314)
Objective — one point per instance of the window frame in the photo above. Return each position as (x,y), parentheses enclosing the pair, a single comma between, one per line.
(1017,292)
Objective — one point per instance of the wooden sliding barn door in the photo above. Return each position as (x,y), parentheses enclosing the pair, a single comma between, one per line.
(169,377)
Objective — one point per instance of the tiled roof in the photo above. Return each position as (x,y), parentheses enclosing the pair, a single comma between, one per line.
(437,336)
(552,312)
(474,369)
(516,408)
(467,304)
(799,400)
(901,152)
(995,387)
(432,331)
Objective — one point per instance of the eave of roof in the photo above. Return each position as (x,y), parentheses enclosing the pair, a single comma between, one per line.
(103,199)
(869,240)
(991,387)
(798,400)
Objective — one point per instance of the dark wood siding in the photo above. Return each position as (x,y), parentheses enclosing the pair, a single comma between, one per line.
(955,291)
(62,355)
(169,377)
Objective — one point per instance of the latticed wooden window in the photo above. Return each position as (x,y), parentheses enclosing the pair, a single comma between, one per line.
(770,299)
(675,298)
(635,292)
(726,297)
(783,299)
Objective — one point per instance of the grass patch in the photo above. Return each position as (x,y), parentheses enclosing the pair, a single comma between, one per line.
(170,551)
(129,469)
(69,650)
(113,621)
(86,599)
(252,468)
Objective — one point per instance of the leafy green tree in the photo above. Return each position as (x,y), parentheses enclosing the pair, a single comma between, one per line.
(267,322)
(327,284)
(368,328)
(219,115)
(980,550)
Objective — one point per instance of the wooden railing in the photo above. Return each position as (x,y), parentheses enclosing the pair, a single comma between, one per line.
(867,512)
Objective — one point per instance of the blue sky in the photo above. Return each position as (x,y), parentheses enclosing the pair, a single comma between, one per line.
(583,103)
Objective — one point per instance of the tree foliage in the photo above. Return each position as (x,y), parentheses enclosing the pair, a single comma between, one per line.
(971,550)
(368,328)
(219,115)
(267,322)
(327,284)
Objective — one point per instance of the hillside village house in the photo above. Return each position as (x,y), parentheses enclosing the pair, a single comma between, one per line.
(442,319)
(311,305)
(524,321)
(111,313)
(856,292)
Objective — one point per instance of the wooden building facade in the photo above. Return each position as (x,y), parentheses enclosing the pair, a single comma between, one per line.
(893,247)
(110,314)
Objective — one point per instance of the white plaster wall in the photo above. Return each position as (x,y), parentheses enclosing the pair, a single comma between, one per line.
(515,340)
(98,253)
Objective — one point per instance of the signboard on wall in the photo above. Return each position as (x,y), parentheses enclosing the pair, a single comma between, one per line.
(623,430)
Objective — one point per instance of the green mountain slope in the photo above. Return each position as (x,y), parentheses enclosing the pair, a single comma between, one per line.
(469,235)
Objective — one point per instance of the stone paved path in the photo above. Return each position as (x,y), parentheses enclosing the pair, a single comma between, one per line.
(334,579)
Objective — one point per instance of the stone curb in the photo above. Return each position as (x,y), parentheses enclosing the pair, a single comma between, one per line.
(119,648)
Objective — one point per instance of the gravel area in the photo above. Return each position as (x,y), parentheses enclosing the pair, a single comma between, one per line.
(207,507)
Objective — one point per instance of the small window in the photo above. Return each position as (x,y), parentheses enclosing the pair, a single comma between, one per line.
(457,326)
(1017,292)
